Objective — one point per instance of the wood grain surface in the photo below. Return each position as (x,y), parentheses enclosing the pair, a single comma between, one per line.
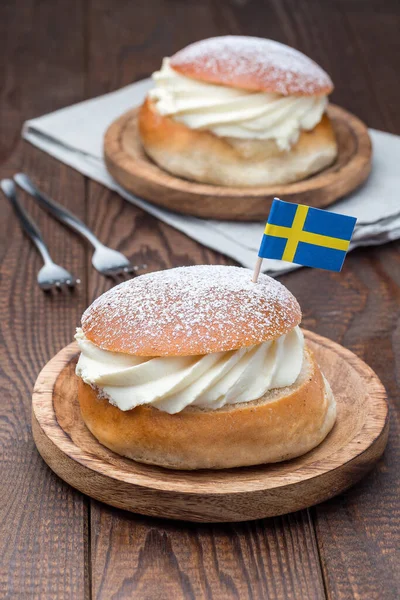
(43,545)
(351,449)
(55,544)
(128,164)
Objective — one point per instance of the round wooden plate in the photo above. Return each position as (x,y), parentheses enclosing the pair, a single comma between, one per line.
(133,170)
(351,449)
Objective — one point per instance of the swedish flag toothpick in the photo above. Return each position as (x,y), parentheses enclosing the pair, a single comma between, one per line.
(306,236)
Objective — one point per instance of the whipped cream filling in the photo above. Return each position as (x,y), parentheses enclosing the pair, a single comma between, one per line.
(234,112)
(171,383)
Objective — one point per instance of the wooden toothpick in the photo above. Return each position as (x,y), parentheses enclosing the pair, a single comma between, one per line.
(257,269)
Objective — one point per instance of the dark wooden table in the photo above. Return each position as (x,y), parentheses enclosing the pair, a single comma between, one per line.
(57,543)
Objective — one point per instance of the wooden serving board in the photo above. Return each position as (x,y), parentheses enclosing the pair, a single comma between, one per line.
(133,170)
(351,449)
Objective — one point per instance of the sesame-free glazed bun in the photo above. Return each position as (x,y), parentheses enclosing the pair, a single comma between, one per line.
(190,310)
(194,312)
(202,156)
(254,64)
(239,111)
(283,424)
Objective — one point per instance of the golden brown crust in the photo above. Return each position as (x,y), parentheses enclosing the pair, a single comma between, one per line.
(282,425)
(252,63)
(190,311)
(202,156)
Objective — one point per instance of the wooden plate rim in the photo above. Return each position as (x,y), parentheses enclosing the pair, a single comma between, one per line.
(375,425)
(357,163)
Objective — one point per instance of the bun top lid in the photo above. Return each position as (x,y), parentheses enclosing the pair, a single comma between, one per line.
(189,311)
(252,63)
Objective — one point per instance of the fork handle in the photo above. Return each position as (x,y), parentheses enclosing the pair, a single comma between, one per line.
(28,224)
(56,210)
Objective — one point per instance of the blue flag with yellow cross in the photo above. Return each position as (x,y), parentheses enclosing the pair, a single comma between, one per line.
(306,236)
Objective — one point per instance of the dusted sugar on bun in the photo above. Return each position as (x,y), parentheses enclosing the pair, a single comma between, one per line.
(240,112)
(254,64)
(200,368)
(191,311)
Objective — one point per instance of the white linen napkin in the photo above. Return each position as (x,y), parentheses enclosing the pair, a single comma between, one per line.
(74,135)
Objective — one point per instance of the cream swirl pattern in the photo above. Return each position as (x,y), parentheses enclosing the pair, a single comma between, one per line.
(208,381)
(233,112)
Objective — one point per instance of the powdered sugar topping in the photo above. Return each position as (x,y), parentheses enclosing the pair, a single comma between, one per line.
(258,63)
(190,310)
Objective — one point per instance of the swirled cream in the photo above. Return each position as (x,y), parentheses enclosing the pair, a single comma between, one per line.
(208,381)
(234,112)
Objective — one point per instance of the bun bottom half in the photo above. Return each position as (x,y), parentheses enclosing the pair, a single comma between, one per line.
(283,424)
(202,156)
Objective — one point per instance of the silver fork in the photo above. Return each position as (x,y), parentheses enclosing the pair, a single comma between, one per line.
(50,275)
(107,261)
